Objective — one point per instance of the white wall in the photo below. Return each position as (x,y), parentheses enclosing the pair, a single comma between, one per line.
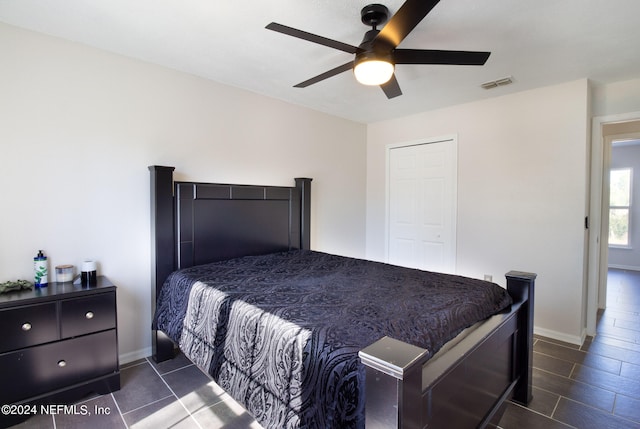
(616,98)
(79,126)
(521,192)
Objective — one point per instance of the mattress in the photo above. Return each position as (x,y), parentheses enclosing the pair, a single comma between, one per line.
(281,332)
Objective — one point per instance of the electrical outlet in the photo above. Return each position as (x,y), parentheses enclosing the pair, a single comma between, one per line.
(488,278)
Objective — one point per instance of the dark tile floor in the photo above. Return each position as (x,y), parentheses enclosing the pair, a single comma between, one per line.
(173,394)
(593,386)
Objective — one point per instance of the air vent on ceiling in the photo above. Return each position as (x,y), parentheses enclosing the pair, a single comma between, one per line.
(496,83)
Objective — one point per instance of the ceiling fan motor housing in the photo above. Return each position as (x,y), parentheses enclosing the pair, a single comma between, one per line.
(374,15)
(368,52)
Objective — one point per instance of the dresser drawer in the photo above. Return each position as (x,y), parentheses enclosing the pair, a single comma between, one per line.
(80,316)
(27,326)
(45,368)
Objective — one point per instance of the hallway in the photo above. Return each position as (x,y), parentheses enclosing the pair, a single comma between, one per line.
(593,386)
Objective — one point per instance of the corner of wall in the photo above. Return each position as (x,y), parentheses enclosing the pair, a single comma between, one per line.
(135,355)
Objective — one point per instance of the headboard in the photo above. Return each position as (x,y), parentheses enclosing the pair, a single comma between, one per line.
(195,223)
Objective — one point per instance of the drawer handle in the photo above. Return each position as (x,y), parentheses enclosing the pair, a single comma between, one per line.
(62,363)
(26,326)
(89,315)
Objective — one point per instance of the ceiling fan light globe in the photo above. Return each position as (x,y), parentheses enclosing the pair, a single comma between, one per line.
(373,72)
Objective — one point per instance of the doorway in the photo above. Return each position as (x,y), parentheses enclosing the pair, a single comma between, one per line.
(421,204)
(605,131)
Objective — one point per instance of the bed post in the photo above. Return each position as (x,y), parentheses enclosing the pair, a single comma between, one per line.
(394,384)
(162,248)
(304,185)
(520,286)
(467,386)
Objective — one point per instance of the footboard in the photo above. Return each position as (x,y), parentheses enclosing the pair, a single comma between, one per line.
(462,388)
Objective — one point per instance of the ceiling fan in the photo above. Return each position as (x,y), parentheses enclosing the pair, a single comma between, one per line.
(377,55)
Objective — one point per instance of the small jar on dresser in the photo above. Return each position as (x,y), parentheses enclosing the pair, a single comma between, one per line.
(57,344)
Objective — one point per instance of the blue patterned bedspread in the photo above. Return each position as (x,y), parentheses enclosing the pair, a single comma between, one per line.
(281,332)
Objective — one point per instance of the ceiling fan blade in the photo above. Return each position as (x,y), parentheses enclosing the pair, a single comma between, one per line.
(431,56)
(312,37)
(392,87)
(325,75)
(404,21)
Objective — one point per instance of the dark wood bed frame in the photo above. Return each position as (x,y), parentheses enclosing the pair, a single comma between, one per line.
(465,386)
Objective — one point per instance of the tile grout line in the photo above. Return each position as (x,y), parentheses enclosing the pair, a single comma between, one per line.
(600,409)
(174,370)
(573,347)
(575,364)
(544,415)
(150,403)
(119,410)
(555,407)
(224,397)
(128,365)
(593,353)
(573,380)
(575,400)
(115,401)
(174,393)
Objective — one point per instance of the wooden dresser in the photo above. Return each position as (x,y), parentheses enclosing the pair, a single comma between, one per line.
(58,344)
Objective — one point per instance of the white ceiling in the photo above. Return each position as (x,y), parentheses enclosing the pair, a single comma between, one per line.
(539,43)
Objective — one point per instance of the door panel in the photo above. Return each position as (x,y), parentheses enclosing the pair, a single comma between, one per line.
(422,206)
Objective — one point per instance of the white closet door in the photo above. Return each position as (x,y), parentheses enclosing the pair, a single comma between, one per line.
(422,181)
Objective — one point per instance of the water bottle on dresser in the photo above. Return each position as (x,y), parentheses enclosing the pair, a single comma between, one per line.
(41,270)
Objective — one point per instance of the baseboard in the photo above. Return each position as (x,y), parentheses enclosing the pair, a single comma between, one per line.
(624,267)
(561,336)
(135,355)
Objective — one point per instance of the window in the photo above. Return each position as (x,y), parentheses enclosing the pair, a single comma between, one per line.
(619,206)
